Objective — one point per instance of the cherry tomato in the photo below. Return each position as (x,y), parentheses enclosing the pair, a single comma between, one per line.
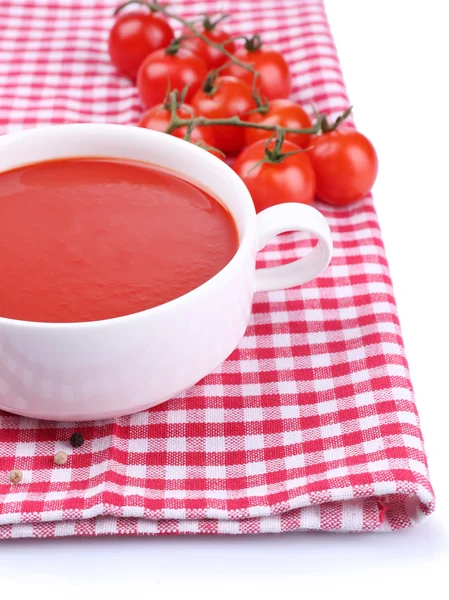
(284,113)
(345,164)
(135,35)
(213,57)
(290,180)
(274,79)
(162,70)
(158,119)
(228,97)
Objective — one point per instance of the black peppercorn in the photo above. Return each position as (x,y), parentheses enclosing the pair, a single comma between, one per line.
(76,440)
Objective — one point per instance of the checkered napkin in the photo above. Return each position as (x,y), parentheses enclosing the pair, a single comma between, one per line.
(311,422)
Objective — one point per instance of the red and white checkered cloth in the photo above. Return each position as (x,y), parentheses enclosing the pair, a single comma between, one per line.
(310,424)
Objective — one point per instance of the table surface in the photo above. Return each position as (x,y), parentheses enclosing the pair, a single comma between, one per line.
(393,57)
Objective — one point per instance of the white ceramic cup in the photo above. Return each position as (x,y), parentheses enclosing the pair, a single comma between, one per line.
(102,369)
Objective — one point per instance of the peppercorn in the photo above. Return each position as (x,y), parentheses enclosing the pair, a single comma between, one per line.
(76,440)
(15,476)
(60,458)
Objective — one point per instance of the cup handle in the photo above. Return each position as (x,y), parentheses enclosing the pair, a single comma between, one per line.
(293,217)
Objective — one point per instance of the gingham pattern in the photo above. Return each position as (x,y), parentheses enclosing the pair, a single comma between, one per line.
(310,424)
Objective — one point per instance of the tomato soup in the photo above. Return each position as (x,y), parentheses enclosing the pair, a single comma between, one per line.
(90,239)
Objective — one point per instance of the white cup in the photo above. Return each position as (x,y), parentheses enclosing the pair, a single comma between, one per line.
(102,369)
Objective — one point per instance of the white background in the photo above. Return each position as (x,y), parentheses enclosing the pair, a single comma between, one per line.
(394,57)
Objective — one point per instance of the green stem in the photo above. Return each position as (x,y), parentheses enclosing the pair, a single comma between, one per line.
(325,127)
(253,43)
(156,7)
(276,153)
(235,122)
(210,24)
(174,46)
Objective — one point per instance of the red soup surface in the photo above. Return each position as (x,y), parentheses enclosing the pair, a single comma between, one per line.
(90,239)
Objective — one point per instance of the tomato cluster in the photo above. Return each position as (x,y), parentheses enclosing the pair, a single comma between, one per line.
(215,82)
